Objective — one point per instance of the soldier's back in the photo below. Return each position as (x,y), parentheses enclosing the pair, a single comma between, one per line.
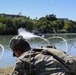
(39,63)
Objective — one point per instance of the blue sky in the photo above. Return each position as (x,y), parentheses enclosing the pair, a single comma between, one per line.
(40,8)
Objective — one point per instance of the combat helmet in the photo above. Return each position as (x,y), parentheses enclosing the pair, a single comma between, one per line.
(19,43)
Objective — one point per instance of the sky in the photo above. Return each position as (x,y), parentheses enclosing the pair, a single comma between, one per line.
(40,8)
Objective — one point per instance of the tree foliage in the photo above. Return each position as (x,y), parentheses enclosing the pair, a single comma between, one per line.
(47,24)
(69,26)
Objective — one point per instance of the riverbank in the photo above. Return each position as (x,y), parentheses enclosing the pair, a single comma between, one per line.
(6,71)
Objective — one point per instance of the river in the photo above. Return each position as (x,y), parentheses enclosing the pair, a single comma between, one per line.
(65,42)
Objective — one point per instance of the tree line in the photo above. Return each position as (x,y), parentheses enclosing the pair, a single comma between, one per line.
(48,24)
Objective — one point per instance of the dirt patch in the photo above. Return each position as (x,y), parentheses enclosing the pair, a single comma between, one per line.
(6,71)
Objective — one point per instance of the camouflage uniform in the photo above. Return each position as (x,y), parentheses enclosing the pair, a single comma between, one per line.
(38,63)
(48,61)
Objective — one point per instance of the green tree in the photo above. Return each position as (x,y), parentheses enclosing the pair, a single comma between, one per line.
(69,25)
(51,17)
(1,28)
(55,26)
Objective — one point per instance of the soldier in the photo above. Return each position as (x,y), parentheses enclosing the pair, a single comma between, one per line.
(33,61)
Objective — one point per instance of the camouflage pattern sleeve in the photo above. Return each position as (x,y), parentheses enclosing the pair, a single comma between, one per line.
(19,68)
